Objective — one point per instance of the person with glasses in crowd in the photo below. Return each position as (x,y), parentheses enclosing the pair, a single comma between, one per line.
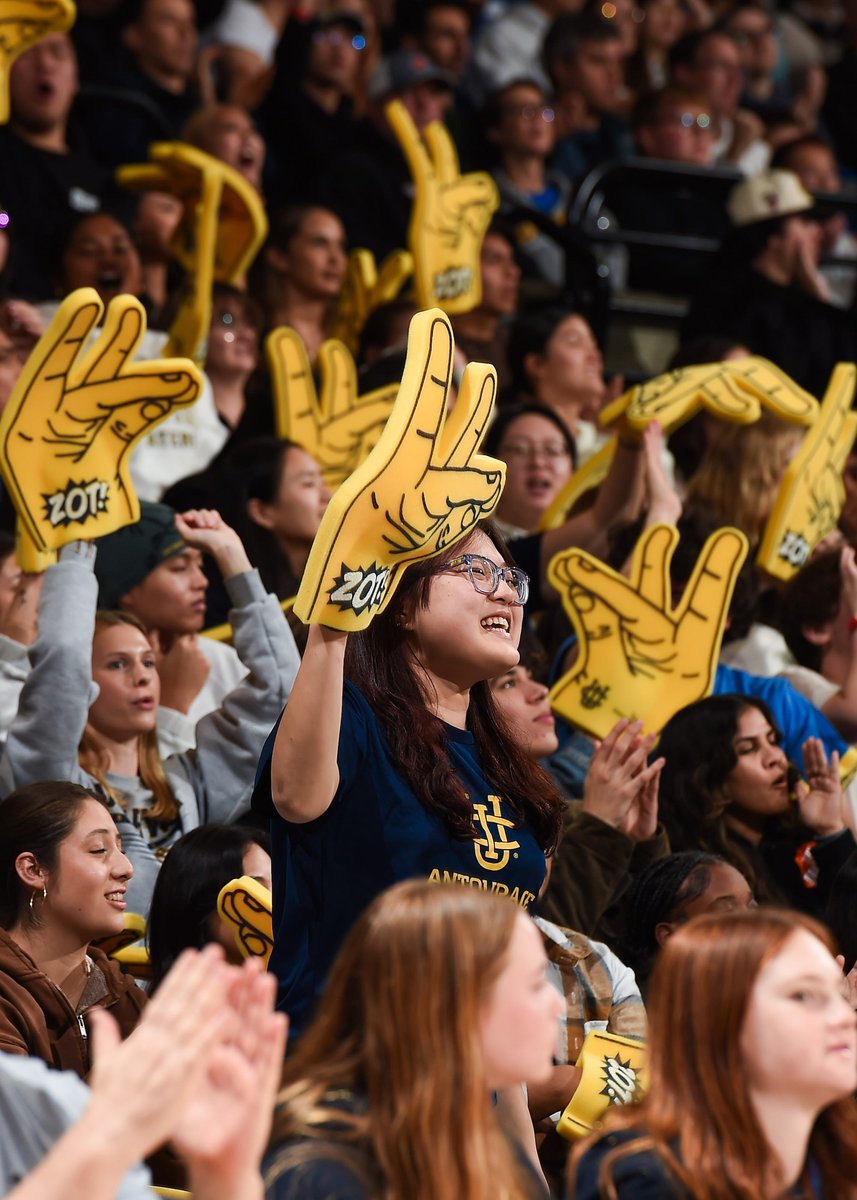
(393,762)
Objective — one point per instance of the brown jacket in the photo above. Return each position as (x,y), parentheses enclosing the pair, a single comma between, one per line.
(36,1018)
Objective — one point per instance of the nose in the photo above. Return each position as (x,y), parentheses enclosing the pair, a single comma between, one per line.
(123,868)
(142,672)
(536,691)
(199,580)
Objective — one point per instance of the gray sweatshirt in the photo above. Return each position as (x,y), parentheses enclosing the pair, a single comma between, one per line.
(212,782)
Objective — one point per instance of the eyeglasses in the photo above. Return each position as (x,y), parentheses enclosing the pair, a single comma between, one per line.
(527,451)
(688,120)
(529,112)
(485,576)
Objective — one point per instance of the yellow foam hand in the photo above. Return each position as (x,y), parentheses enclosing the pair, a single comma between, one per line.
(338,427)
(450,215)
(222,226)
(366,288)
(812,493)
(22,24)
(423,486)
(74,416)
(640,657)
(245,904)
(734,391)
(614,1070)
(591,475)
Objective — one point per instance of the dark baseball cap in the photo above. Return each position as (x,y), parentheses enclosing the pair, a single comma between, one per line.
(405,69)
(127,556)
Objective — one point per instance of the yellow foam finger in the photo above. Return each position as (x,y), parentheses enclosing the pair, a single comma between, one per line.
(811,494)
(614,1071)
(75,415)
(404,502)
(449,217)
(23,23)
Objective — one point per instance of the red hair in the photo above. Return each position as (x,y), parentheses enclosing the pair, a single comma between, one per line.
(698,1115)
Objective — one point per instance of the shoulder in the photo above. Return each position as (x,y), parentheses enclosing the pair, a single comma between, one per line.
(315,1171)
(635,1174)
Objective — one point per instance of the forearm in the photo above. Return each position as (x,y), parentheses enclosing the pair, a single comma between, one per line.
(621,495)
(57,692)
(207,1184)
(619,498)
(304,772)
(84,1162)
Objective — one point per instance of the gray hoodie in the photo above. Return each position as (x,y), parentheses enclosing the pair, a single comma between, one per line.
(212,782)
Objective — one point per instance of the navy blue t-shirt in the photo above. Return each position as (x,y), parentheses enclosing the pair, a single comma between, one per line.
(375,833)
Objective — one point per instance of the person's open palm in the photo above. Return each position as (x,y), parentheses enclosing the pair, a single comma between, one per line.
(641,657)
(423,486)
(76,413)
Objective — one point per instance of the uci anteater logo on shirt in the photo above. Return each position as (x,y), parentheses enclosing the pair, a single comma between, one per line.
(493,849)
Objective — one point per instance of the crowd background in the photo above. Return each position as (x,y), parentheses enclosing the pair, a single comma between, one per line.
(676,183)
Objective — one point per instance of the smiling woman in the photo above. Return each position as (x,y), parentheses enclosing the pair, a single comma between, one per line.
(390,762)
(64,878)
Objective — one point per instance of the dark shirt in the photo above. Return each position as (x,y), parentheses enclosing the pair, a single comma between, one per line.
(369,188)
(803,336)
(44,194)
(375,833)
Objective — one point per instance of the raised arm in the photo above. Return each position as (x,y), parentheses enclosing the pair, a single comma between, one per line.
(304,770)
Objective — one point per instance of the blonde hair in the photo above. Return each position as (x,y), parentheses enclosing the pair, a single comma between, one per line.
(96,761)
(741,470)
(398,1025)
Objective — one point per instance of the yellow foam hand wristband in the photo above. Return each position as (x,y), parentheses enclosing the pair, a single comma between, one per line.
(614,1071)
(246,906)
(812,493)
(22,24)
(366,288)
(734,391)
(338,428)
(450,215)
(222,226)
(75,415)
(591,475)
(423,486)
(638,656)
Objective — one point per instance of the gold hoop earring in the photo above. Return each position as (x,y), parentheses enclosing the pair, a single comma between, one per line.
(33,896)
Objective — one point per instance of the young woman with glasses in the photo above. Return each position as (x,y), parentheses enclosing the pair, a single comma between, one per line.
(392,762)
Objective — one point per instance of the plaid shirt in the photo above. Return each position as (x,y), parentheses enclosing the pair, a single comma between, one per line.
(600,991)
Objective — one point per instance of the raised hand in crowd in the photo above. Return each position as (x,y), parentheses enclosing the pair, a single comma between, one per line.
(202,1067)
(621,786)
(183,669)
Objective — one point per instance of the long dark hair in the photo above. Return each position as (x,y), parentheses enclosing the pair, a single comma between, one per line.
(698,745)
(187,887)
(254,472)
(380,663)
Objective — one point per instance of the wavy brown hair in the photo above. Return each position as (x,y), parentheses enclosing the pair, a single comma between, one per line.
(381,663)
(396,1032)
(698,1116)
(94,758)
